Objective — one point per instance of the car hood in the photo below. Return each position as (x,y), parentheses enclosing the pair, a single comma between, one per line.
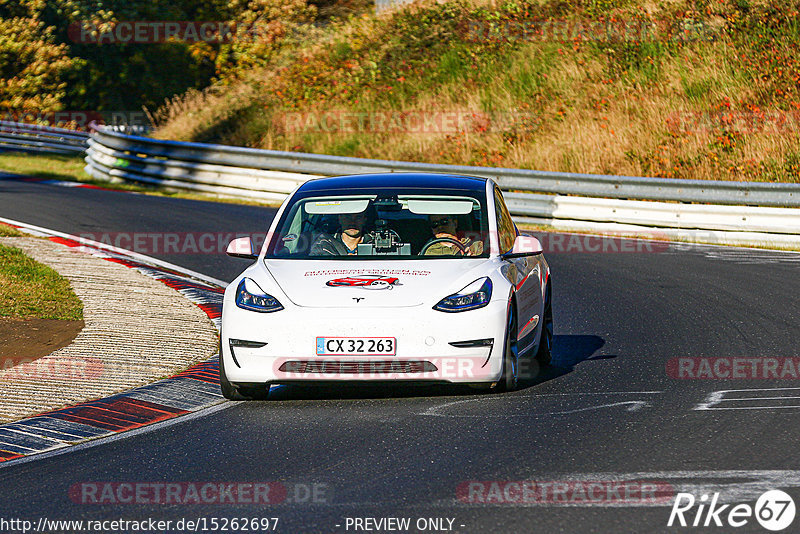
(343,284)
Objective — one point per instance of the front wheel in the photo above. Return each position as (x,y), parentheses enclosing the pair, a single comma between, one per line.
(510,377)
(236,392)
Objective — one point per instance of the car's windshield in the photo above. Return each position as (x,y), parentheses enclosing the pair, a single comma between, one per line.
(384,225)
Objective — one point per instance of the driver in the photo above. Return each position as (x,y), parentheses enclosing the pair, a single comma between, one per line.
(446,227)
(344,242)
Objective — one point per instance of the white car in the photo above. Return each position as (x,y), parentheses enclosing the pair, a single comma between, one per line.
(387,277)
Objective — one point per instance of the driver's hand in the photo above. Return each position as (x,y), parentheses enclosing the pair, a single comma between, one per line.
(474,249)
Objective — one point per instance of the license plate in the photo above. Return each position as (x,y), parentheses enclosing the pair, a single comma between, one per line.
(364,346)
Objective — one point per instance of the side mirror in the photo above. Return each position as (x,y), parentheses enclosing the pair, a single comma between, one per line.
(241,247)
(524,245)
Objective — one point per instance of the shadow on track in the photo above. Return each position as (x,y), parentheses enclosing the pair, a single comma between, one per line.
(568,351)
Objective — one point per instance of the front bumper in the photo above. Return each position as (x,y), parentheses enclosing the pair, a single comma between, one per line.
(423,344)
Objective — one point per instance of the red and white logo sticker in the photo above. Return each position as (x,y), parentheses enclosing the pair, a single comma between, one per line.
(365,281)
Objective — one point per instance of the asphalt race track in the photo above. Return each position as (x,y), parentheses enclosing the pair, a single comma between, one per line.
(607,411)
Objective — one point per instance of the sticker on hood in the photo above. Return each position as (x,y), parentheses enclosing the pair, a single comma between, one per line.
(365,281)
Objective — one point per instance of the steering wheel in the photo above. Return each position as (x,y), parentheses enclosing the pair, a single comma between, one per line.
(462,248)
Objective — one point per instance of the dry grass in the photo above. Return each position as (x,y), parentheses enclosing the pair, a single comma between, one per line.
(197,114)
(614,108)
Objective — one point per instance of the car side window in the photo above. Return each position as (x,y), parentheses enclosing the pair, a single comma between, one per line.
(505,226)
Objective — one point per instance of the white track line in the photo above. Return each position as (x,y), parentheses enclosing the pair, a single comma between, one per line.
(116,250)
(222,405)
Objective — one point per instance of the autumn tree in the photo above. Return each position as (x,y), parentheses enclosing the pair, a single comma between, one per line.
(33,66)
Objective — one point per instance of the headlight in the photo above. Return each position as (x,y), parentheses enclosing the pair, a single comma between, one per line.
(474,296)
(251,297)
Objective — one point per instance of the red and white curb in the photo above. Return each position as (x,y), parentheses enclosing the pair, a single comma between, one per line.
(195,389)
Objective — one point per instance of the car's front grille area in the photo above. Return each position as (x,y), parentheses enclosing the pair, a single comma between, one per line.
(354,368)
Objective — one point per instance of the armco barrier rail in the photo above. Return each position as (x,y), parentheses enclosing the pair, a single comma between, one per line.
(725,212)
(134,152)
(35,138)
(23,137)
(749,213)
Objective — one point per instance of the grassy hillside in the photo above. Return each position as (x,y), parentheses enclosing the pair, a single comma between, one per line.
(692,89)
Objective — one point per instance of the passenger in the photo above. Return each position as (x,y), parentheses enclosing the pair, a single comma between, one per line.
(446,227)
(344,242)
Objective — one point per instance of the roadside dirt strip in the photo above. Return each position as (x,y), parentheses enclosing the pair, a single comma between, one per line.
(141,325)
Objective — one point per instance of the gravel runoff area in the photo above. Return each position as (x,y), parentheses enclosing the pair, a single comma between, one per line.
(136,330)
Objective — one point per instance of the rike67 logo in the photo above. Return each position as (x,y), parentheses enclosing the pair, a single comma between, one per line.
(774,510)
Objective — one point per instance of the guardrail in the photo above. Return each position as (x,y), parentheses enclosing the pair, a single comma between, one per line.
(111,156)
(36,138)
(745,213)
(730,212)
(24,137)
(619,187)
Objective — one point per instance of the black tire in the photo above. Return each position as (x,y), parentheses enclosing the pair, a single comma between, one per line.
(545,353)
(510,377)
(236,392)
(229,391)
